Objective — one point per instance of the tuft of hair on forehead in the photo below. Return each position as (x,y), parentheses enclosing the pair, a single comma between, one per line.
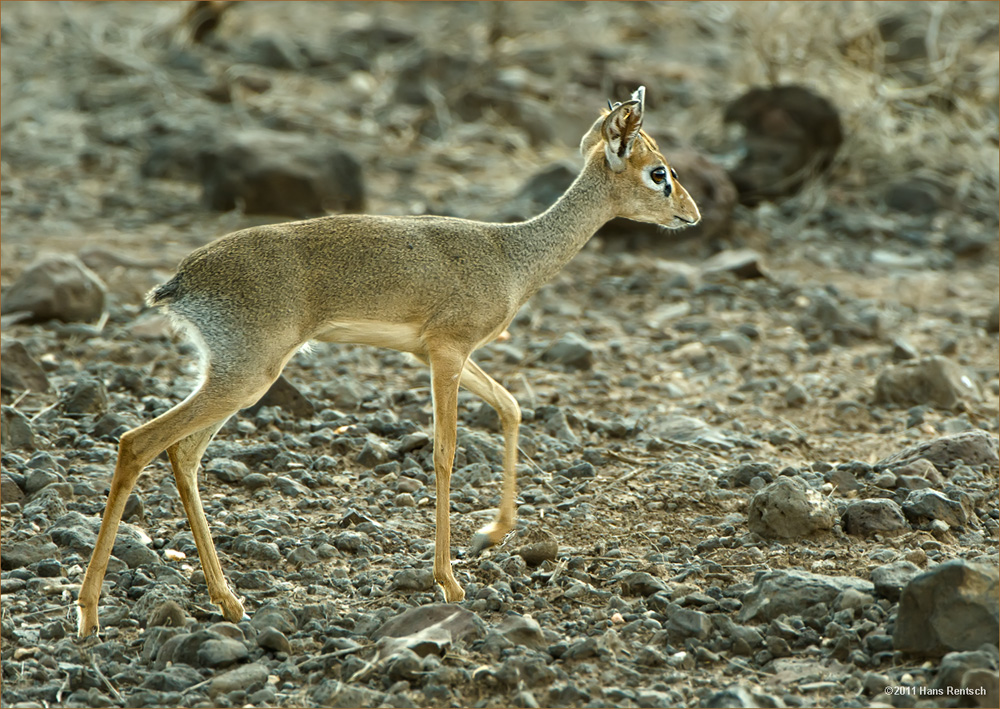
(650,143)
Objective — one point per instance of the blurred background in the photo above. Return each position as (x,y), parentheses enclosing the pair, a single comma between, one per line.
(837,306)
(840,116)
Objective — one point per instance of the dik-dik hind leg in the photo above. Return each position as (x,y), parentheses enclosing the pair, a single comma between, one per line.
(212,403)
(185,457)
(489,390)
(446,369)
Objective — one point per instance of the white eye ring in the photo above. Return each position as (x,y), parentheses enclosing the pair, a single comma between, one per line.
(657,179)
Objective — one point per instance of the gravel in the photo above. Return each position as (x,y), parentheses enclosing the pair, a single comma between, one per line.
(758,469)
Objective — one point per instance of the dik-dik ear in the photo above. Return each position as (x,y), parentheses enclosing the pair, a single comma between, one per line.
(621,128)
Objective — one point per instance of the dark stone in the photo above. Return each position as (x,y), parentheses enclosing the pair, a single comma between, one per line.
(935,381)
(285,395)
(867,517)
(791,134)
(56,287)
(20,372)
(973,448)
(15,430)
(572,351)
(280,174)
(87,396)
(953,606)
(889,579)
(792,592)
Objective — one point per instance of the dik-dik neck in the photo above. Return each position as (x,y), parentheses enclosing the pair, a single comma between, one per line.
(540,247)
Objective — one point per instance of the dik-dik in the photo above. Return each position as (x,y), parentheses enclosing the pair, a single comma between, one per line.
(436,287)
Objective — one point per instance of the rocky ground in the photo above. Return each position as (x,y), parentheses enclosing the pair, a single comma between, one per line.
(759,460)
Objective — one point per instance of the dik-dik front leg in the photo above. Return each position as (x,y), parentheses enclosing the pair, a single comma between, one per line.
(446,370)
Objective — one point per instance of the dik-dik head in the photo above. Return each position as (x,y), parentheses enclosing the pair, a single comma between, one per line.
(644,186)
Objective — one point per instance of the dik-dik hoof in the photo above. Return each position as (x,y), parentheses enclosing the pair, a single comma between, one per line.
(453,594)
(480,543)
(87,624)
(232,609)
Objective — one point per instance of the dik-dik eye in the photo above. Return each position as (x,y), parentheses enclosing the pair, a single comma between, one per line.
(659,175)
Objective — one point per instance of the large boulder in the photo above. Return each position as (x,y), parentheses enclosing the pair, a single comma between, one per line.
(791,134)
(56,287)
(280,174)
(953,606)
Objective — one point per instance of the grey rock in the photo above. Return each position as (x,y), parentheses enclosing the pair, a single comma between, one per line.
(641,583)
(87,396)
(686,623)
(993,319)
(903,349)
(523,630)
(133,552)
(247,678)
(867,517)
(935,381)
(20,554)
(974,447)
(285,395)
(742,263)
(274,616)
(57,287)
(250,548)
(923,506)
(227,470)
(890,579)
(737,696)
(270,638)
(255,481)
(336,694)
(913,196)
(289,487)
(788,509)
(15,430)
(20,372)
(10,491)
(373,453)
(796,396)
(920,467)
(302,555)
(175,678)
(953,606)
(792,592)
(954,667)
(421,579)
(572,351)
(221,652)
(735,343)
(428,629)
(687,429)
